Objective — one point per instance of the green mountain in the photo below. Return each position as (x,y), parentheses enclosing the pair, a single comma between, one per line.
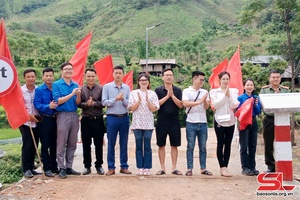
(117,20)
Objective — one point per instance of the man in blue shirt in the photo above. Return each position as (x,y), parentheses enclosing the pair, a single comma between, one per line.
(115,96)
(46,106)
(67,95)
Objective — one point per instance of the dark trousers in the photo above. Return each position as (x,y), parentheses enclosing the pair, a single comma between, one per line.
(268,134)
(92,128)
(117,126)
(248,142)
(224,138)
(28,149)
(47,131)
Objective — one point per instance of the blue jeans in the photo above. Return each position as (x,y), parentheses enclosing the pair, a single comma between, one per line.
(248,142)
(117,125)
(143,151)
(193,130)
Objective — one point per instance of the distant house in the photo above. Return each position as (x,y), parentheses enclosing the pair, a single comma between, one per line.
(155,67)
(264,61)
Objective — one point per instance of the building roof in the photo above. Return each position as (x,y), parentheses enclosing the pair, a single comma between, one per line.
(158,61)
(262,59)
(288,73)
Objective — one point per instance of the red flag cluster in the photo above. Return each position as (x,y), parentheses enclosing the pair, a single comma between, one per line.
(104,69)
(13,102)
(235,70)
(244,113)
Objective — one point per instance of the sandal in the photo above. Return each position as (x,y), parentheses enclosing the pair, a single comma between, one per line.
(160,172)
(140,172)
(189,172)
(206,172)
(147,172)
(176,172)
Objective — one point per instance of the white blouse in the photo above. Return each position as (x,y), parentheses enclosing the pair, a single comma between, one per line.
(142,117)
(224,105)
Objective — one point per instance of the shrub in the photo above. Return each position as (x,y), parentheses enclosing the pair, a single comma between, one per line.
(10,164)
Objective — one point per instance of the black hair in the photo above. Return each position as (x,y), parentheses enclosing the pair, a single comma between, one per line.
(165,70)
(48,69)
(246,80)
(274,71)
(28,71)
(223,73)
(90,70)
(65,64)
(197,73)
(119,67)
(143,74)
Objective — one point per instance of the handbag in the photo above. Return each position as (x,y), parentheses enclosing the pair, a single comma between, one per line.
(185,115)
(224,117)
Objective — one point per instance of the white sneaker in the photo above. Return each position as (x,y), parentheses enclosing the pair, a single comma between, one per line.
(147,172)
(140,172)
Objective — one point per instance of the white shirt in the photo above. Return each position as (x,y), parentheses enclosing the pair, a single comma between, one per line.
(224,105)
(28,97)
(197,113)
(142,117)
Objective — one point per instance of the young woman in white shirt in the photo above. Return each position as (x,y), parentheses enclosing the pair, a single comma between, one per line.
(143,102)
(224,101)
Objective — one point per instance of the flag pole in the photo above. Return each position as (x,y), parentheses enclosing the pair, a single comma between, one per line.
(37,151)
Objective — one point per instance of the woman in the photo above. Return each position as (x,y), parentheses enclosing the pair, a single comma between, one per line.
(224,101)
(248,136)
(143,102)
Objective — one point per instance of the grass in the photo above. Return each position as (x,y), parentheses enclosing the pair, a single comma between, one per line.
(8,133)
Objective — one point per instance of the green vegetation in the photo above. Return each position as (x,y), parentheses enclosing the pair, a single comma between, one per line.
(10,164)
(7,133)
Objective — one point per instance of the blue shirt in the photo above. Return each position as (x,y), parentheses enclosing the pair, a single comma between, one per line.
(42,99)
(61,89)
(109,93)
(256,108)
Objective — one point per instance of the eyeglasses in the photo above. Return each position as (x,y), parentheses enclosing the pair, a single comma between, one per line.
(202,80)
(67,69)
(143,80)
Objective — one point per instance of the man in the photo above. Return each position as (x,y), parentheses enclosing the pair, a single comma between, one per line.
(67,95)
(268,121)
(28,148)
(168,120)
(115,96)
(92,125)
(46,106)
(194,98)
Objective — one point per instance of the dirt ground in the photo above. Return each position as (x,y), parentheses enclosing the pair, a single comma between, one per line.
(156,187)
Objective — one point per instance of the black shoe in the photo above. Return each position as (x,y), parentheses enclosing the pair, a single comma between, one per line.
(255,172)
(62,173)
(86,171)
(28,174)
(247,172)
(71,171)
(100,170)
(35,172)
(55,171)
(270,171)
(49,173)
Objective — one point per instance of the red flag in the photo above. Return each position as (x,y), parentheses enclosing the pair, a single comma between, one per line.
(104,69)
(244,113)
(128,79)
(79,58)
(235,70)
(214,79)
(12,102)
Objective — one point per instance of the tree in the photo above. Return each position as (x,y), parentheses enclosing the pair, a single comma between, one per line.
(286,12)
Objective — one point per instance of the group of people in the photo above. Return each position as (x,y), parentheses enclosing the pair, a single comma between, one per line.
(55,123)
